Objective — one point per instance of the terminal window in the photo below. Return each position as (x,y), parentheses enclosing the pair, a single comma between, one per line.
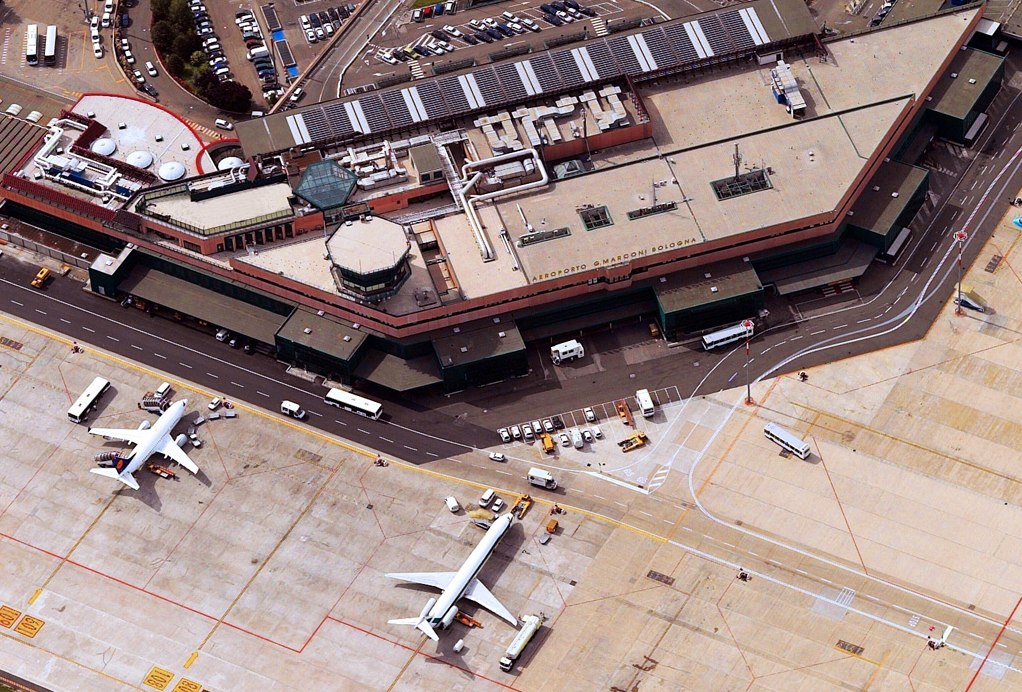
(742,184)
(595,217)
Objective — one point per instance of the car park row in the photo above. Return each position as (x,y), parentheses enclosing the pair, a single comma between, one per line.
(258,53)
(489,30)
(546,429)
(319,26)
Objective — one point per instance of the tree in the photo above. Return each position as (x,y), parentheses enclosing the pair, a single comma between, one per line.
(185,45)
(180,15)
(198,59)
(160,8)
(230,96)
(175,65)
(163,36)
(204,81)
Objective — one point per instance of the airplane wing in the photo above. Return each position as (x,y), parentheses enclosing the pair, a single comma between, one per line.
(438,580)
(127,435)
(477,593)
(169,449)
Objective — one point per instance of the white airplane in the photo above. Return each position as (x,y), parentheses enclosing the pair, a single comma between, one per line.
(147,441)
(440,612)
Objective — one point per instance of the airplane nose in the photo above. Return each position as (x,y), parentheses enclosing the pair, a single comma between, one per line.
(184,401)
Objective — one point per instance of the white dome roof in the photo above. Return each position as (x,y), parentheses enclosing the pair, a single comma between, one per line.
(104,146)
(172,170)
(229,162)
(140,159)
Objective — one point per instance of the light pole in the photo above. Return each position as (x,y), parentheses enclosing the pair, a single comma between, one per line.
(748,385)
(961,237)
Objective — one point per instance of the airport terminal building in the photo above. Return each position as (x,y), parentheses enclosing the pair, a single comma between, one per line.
(423,233)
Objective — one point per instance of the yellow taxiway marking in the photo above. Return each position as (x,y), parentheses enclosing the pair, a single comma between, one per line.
(8,616)
(158,678)
(191,660)
(29,626)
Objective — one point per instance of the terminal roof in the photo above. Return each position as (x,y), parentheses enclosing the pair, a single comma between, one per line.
(476,342)
(326,333)
(957,96)
(703,285)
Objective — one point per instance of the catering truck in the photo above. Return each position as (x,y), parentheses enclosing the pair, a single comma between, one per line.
(541,478)
(569,350)
(530,625)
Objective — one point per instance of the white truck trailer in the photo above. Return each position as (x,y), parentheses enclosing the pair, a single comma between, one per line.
(530,625)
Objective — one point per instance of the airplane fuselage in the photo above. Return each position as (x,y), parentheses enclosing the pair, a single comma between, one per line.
(166,422)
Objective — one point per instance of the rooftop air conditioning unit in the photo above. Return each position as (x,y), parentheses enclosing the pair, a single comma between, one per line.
(713,289)
(501,334)
(347,337)
(307,330)
(464,349)
(320,313)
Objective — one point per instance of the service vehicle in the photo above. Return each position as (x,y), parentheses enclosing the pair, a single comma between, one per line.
(41,278)
(452,504)
(541,478)
(568,350)
(530,625)
(645,402)
(290,408)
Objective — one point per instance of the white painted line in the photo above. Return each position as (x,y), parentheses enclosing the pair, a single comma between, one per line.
(667,521)
(840,326)
(137,348)
(646,513)
(600,496)
(826,580)
(685,528)
(263,394)
(215,377)
(801,571)
(435,456)
(185,364)
(89,330)
(822,331)
(973,634)
(363,431)
(415,450)
(160,355)
(729,545)
(237,385)
(40,311)
(386,439)
(112,338)
(506,473)
(340,422)
(65,321)
(753,553)
(17,303)
(796,338)
(620,503)
(868,319)
(313,413)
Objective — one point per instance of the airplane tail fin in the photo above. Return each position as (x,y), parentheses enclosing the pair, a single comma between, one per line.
(123,477)
(419,623)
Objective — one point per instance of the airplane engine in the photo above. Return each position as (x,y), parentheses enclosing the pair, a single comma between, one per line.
(449,617)
(429,604)
(145,425)
(181,440)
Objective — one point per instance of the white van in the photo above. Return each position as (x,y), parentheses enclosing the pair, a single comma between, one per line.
(568,350)
(163,390)
(576,438)
(541,478)
(259,52)
(222,335)
(487,497)
(290,408)
(223,124)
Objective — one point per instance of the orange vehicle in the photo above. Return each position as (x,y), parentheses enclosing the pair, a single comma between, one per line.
(625,413)
(40,279)
(548,443)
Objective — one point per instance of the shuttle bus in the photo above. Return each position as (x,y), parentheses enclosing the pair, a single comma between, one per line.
(32,44)
(795,445)
(645,402)
(50,51)
(354,403)
(726,336)
(80,409)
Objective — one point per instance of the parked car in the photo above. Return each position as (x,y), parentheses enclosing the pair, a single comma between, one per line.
(505,436)
(150,89)
(151,69)
(452,504)
(590,414)
(223,124)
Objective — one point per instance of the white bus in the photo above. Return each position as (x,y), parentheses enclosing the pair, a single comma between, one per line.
(32,44)
(354,403)
(50,50)
(81,409)
(795,445)
(645,402)
(727,336)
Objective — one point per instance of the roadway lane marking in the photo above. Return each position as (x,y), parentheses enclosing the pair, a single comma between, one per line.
(868,319)
(435,456)
(216,377)
(139,348)
(185,365)
(340,421)
(363,431)
(89,330)
(41,312)
(65,321)
(600,496)
(237,385)
(263,394)
(822,331)
(620,503)
(112,338)
(506,473)
(840,326)
(316,414)
(385,439)
(411,448)
(667,521)
(641,512)
(826,580)
(160,355)
(18,304)
(801,571)
(796,338)
(685,528)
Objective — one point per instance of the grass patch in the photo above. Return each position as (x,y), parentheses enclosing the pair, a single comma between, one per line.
(422,3)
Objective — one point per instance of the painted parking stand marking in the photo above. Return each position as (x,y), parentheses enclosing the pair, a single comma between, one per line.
(29,626)
(158,678)
(186,685)
(8,616)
